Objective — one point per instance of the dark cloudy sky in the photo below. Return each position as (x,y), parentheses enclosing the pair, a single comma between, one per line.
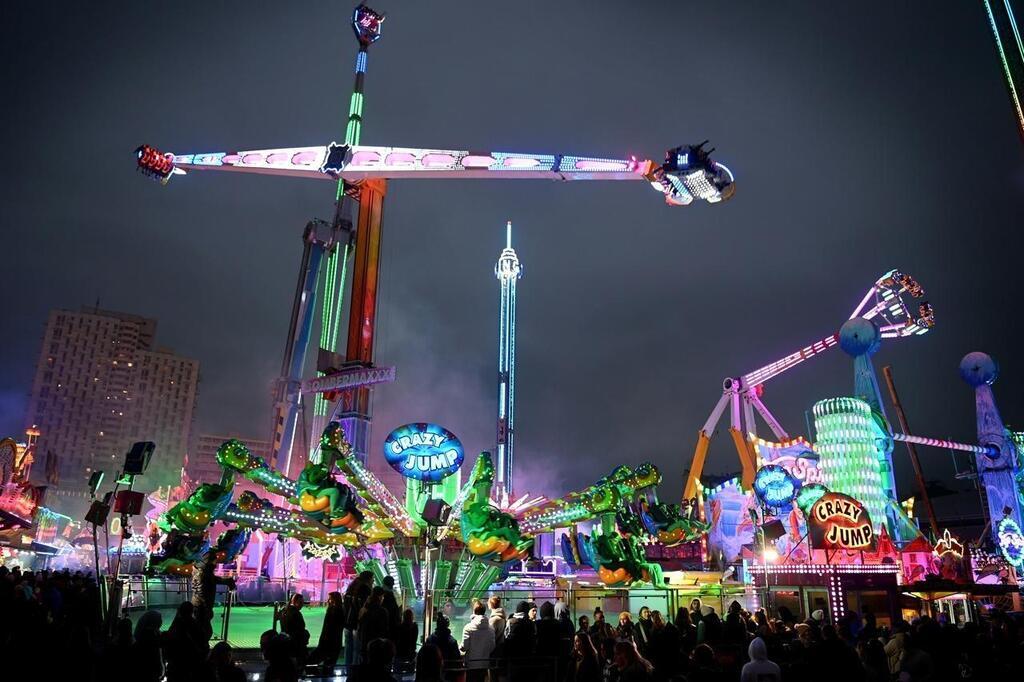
(864,136)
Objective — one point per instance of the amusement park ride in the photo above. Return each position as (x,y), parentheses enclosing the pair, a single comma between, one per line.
(361,172)
(333,500)
(742,395)
(362,511)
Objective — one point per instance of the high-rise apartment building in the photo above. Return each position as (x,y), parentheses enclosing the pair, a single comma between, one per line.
(202,457)
(100,385)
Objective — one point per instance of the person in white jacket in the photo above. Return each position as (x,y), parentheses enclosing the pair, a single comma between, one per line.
(477,643)
(760,669)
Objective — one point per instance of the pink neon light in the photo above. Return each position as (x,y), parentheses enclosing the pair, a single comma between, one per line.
(230,158)
(601,165)
(516,162)
(438,160)
(477,161)
(400,159)
(365,158)
(304,158)
(252,158)
(277,158)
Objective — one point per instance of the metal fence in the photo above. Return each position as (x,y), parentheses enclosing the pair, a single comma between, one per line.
(263,597)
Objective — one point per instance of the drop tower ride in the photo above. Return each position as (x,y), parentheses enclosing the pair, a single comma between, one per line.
(507,270)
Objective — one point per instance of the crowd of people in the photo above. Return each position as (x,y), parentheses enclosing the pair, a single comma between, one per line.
(51,625)
(543,644)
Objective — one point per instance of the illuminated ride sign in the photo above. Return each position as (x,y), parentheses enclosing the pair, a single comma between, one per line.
(425,452)
(795,456)
(774,486)
(949,545)
(808,495)
(838,521)
(1011,542)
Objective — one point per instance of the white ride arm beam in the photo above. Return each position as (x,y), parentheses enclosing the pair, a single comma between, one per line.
(696,178)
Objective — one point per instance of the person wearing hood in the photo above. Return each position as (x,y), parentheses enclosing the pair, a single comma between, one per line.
(565,621)
(443,640)
(760,669)
(477,644)
(709,629)
(520,633)
(146,663)
(497,620)
(522,612)
(549,634)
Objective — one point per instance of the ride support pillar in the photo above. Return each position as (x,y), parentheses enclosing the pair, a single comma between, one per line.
(356,404)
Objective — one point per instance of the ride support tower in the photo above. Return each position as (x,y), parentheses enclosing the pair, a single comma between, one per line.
(364,239)
(508,270)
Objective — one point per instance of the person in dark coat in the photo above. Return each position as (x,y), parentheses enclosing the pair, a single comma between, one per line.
(445,643)
(549,632)
(703,667)
(602,635)
(642,630)
(665,647)
(328,647)
(405,640)
(145,660)
(687,631)
(294,625)
(221,666)
(630,665)
(181,652)
(356,594)
(429,664)
(390,604)
(586,664)
(625,631)
(373,621)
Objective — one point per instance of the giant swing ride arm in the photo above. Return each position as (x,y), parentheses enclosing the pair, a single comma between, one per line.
(688,172)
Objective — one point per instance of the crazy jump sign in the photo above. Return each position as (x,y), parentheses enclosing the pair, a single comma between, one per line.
(838,521)
(425,452)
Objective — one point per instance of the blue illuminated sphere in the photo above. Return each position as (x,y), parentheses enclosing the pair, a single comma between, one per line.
(858,336)
(978,368)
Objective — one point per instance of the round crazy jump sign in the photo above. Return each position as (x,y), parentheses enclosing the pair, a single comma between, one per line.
(425,452)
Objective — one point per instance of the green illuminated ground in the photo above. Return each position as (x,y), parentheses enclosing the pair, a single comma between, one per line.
(247,623)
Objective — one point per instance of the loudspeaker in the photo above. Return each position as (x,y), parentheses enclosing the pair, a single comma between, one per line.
(436,512)
(97,514)
(137,459)
(773,530)
(128,502)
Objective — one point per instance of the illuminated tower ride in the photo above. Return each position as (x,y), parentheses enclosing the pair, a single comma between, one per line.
(355,403)
(507,270)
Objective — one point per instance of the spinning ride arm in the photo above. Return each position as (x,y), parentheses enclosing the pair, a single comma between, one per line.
(336,449)
(603,497)
(883,303)
(489,533)
(688,172)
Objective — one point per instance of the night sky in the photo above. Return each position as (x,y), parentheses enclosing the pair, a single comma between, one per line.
(864,136)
